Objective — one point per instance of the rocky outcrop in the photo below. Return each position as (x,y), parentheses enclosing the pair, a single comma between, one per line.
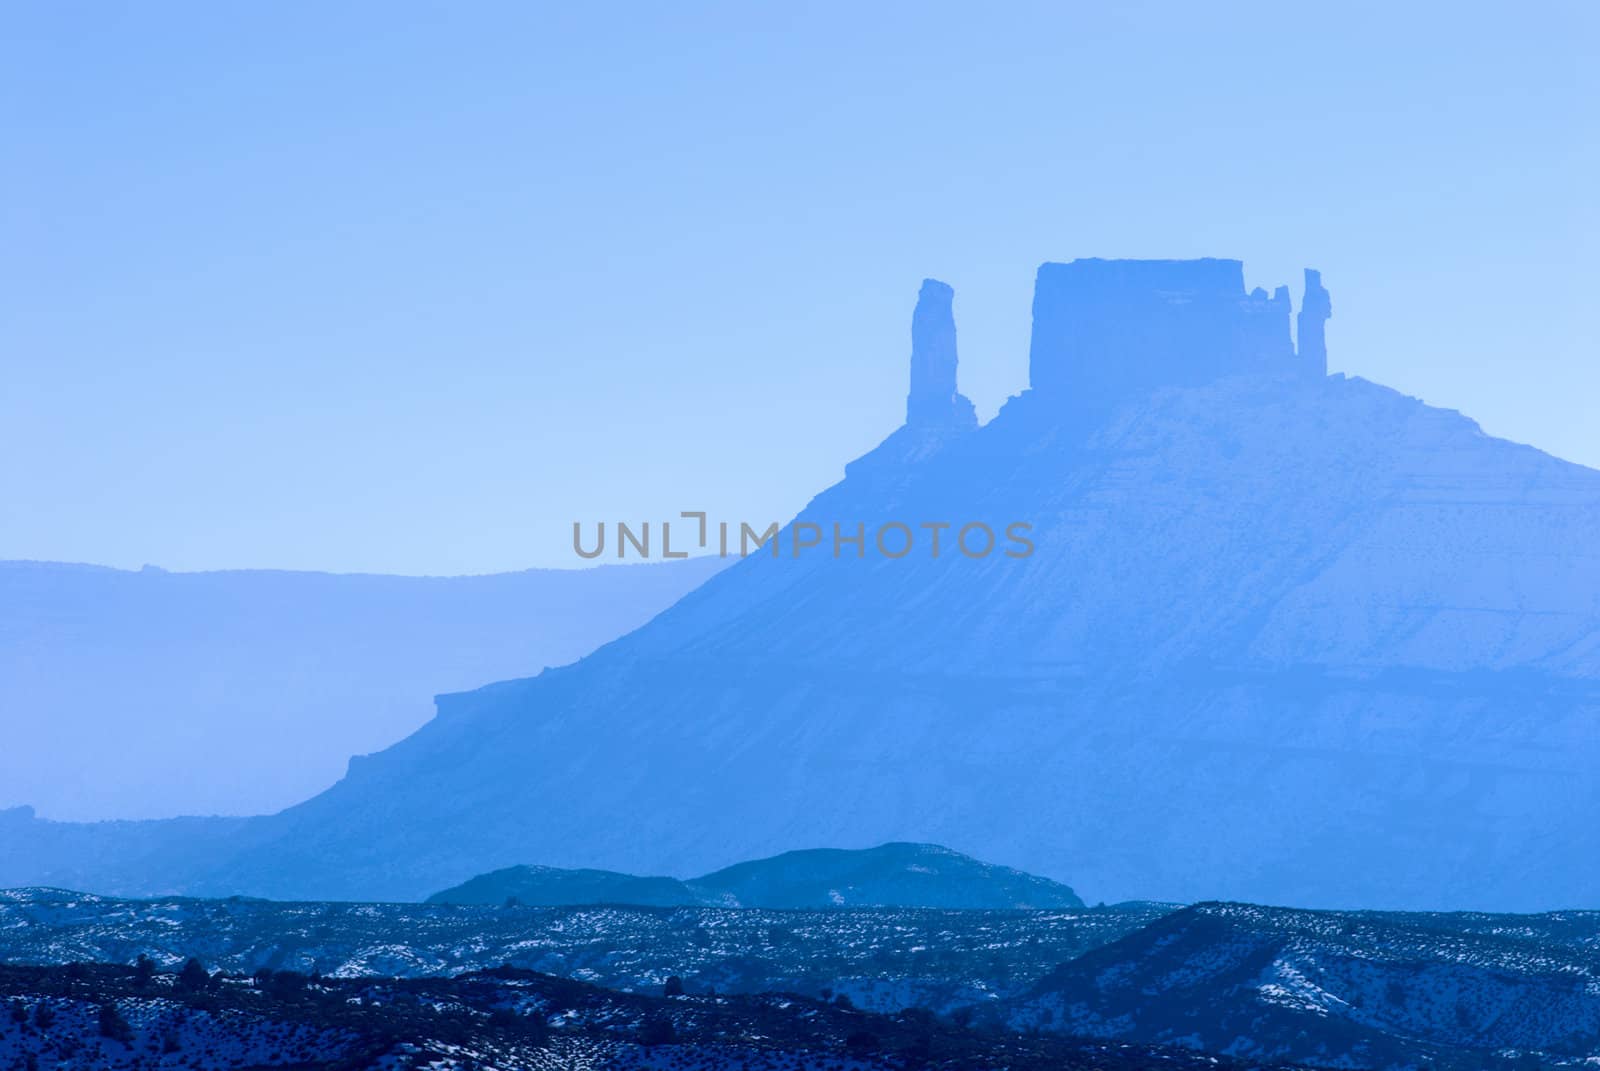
(936,412)
(1108,330)
(934,400)
(1315,309)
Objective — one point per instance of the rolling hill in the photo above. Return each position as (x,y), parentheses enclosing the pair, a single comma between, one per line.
(890,875)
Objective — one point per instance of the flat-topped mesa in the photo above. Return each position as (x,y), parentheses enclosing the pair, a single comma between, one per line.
(1108,329)
(934,400)
(1315,309)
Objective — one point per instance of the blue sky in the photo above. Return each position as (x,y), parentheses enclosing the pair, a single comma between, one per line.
(410,288)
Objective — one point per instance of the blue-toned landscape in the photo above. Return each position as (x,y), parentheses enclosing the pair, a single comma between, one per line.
(821,540)
(1299,672)
(1282,637)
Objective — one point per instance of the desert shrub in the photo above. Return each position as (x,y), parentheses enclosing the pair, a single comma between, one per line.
(194,975)
(113,1025)
(861,1041)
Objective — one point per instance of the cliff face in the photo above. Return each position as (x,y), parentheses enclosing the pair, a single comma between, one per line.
(1282,637)
(1108,330)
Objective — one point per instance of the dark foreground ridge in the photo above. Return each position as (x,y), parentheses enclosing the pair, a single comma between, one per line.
(99,1018)
(890,875)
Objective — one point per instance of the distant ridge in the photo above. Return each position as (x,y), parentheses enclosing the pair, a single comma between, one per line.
(245,690)
(890,875)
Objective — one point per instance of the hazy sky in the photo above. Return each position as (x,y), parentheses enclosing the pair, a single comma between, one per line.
(409,288)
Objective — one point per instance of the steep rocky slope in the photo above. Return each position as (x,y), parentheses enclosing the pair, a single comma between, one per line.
(1282,637)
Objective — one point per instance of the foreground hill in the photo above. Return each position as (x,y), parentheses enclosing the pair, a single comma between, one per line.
(1352,989)
(890,875)
(245,691)
(1281,637)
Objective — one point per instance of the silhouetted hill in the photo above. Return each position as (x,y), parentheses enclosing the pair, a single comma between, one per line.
(548,886)
(245,691)
(1283,637)
(891,875)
